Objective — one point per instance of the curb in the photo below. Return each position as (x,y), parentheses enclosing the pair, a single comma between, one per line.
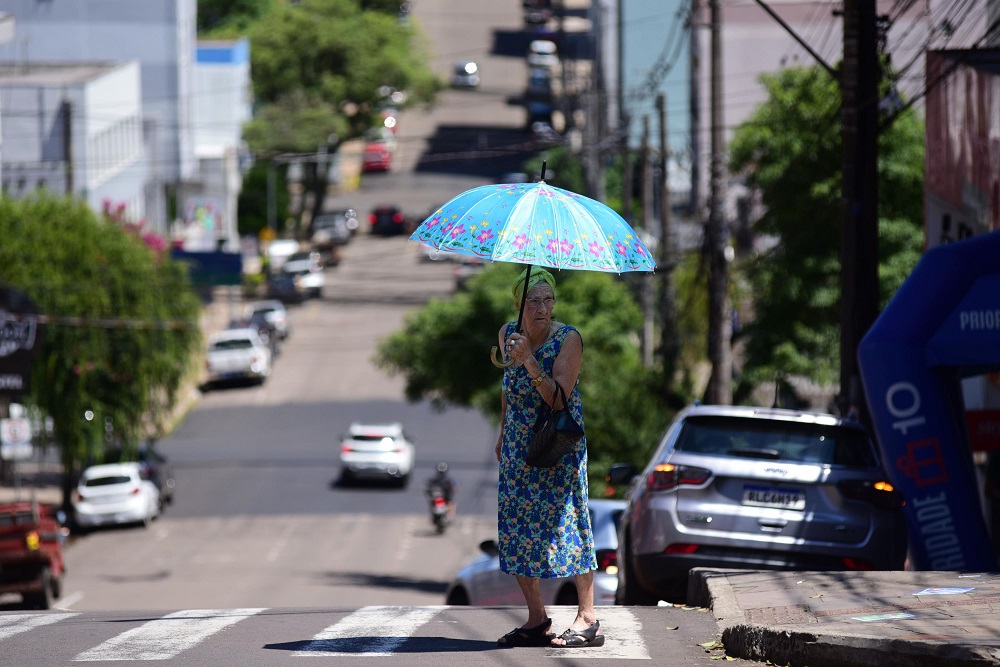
(711,588)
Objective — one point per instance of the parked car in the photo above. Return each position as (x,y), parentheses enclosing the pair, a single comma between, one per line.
(539,85)
(333,229)
(273,311)
(306,269)
(153,465)
(114,494)
(543,53)
(377,157)
(284,287)
(376,451)
(238,354)
(387,221)
(537,12)
(465,75)
(481,582)
(31,554)
(278,251)
(759,489)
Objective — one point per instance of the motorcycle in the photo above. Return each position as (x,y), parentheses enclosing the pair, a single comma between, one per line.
(439,510)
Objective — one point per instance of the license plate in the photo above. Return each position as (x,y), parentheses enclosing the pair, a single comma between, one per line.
(763,496)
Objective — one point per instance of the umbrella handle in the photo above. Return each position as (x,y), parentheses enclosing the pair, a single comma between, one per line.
(497,362)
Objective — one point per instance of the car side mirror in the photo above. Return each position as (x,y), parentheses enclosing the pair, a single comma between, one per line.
(622,474)
(490,548)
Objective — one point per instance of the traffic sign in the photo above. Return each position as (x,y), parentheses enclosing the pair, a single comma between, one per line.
(15,439)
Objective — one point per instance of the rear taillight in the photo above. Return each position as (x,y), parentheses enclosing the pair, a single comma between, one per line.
(345,449)
(681,549)
(135,491)
(881,494)
(397,218)
(857,564)
(77,496)
(607,560)
(372,219)
(439,501)
(667,476)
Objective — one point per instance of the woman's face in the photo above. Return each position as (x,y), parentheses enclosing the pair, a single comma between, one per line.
(538,307)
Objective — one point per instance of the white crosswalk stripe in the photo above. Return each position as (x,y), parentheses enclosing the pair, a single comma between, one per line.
(166,637)
(370,631)
(12,625)
(622,635)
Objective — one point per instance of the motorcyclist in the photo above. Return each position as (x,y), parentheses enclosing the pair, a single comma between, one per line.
(441,483)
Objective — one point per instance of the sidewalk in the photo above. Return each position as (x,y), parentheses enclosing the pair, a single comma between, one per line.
(854,619)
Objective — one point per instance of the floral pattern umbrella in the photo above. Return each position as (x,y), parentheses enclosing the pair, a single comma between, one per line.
(535,224)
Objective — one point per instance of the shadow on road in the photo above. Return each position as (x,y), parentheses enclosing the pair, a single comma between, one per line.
(411,645)
(368,579)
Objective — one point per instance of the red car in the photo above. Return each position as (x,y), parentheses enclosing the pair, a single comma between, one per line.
(31,556)
(377,157)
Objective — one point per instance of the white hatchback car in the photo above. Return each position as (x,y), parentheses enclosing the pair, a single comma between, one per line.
(376,451)
(238,354)
(115,493)
(481,583)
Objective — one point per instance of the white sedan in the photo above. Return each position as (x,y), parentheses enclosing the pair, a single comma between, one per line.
(115,493)
(376,451)
(237,354)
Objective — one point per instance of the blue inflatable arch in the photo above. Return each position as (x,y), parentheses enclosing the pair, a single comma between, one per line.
(941,326)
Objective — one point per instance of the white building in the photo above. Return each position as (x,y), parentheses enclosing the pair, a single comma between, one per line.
(6,34)
(221,104)
(159,35)
(74,129)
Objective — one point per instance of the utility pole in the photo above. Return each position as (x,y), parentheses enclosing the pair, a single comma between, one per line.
(859,243)
(647,210)
(720,384)
(67,128)
(669,343)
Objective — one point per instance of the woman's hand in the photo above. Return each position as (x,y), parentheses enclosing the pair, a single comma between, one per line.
(518,347)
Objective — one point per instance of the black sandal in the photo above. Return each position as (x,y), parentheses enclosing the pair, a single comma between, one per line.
(581,638)
(536,636)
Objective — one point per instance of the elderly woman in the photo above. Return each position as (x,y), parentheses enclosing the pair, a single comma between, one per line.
(544,525)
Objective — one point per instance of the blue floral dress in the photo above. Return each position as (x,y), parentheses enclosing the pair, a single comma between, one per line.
(543,520)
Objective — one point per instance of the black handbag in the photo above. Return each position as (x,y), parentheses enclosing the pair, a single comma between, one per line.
(555,433)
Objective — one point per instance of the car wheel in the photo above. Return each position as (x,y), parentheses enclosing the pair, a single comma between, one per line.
(629,592)
(346,477)
(41,599)
(457,597)
(56,587)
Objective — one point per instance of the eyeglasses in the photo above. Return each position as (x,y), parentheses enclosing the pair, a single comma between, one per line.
(538,303)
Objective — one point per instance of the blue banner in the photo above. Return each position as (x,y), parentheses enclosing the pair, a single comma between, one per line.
(942,325)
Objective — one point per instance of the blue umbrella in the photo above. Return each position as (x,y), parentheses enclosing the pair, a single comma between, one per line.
(535,224)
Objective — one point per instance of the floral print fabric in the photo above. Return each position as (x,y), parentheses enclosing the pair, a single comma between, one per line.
(543,521)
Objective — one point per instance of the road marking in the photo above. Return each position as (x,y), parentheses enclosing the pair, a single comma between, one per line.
(282,542)
(370,631)
(165,637)
(621,629)
(13,625)
(67,601)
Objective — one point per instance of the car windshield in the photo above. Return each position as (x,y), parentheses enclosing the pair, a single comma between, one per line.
(25,519)
(371,438)
(108,481)
(233,344)
(776,440)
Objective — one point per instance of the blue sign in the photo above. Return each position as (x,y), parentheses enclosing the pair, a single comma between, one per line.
(212,268)
(941,326)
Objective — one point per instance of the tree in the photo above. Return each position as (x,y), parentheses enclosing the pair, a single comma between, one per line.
(321,69)
(224,17)
(789,154)
(126,356)
(443,352)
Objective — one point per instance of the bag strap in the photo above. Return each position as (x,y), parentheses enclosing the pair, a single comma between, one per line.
(562,393)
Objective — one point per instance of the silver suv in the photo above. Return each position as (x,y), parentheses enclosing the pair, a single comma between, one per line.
(759,489)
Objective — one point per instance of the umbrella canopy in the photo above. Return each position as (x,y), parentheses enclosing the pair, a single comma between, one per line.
(535,224)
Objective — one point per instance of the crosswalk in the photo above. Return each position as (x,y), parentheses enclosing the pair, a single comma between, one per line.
(378,631)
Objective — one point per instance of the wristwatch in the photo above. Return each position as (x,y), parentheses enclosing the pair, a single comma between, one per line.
(538,380)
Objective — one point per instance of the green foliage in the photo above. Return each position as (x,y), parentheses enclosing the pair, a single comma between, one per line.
(566,168)
(221,18)
(74,264)
(443,352)
(252,203)
(318,66)
(789,152)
